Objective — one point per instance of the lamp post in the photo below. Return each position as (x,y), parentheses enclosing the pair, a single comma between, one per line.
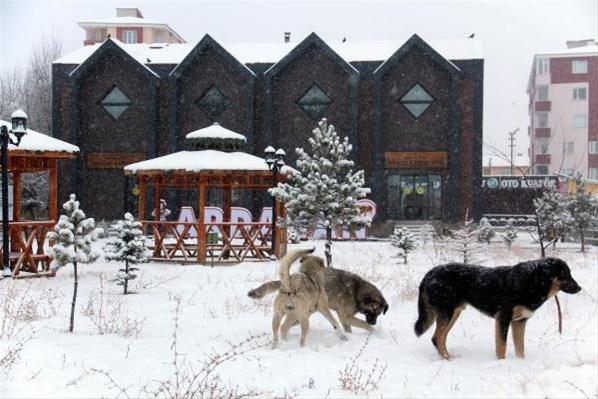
(275,162)
(19,129)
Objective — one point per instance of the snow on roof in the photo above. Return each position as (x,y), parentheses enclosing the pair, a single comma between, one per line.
(215,131)
(122,21)
(35,141)
(248,53)
(590,49)
(196,161)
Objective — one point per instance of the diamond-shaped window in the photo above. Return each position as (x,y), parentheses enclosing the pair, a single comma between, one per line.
(213,102)
(116,102)
(315,102)
(417,100)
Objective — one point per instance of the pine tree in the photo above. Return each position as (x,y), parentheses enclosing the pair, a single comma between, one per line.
(552,219)
(404,240)
(324,186)
(128,246)
(510,234)
(583,208)
(485,231)
(73,235)
(464,242)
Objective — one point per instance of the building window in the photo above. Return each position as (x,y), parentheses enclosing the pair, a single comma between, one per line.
(213,103)
(417,100)
(130,36)
(542,93)
(579,121)
(314,102)
(567,147)
(593,147)
(543,145)
(542,66)
(541,169)
(579,66)
(593,173)
(115,103)
(542,118)
(580,93)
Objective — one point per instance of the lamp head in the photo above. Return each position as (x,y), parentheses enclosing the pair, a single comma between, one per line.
(19,124)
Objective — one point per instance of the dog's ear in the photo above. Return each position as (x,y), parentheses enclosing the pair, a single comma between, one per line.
(385,308)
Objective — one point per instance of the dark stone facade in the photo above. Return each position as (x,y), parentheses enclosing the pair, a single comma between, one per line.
(262,102)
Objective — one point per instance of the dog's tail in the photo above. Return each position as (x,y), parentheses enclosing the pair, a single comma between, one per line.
(285,265)
(426,315)
(264,289)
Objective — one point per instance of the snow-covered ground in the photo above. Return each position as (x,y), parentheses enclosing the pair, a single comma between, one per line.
(215,313)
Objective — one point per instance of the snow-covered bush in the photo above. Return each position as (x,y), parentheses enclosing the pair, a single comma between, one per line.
(583,208)
(129,247)
(552,219)
(464,243)
(324,188)
(72,236)
(485,231)
(510,234)
(404,240)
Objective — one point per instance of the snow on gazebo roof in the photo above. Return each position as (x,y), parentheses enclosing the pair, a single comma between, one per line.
(198,161)
(215,131)
(38,142)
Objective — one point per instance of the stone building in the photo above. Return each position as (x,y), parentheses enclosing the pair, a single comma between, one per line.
(412,110)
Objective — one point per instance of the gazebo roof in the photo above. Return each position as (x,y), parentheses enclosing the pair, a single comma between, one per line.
(215,131)
(39,143)
(201,161)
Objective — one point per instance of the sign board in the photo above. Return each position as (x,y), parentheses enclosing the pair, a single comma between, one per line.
(519,182)
(113,160)
(416,160)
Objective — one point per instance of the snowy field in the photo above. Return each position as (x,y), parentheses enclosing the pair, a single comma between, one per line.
(123,346)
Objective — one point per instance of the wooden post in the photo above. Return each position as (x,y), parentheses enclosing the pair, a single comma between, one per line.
(16,196)
(228,198)
(141,200)
(53,194)
(156,210)
(201,234)
(279,233)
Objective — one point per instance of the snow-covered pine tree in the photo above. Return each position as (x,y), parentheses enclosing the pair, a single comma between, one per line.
(128,246)
(583,208)
(404,240)
(73,235)
(510,234)
(324,186)
(485,231)
(552,219)
(464,242)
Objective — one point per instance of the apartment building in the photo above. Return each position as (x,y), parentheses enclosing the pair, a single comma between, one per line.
(129,26)
(563,109)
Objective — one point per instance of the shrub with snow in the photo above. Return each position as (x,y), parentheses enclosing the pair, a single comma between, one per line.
(464,243)
(552,219)
(583,208)
(129,247)
(404,240)
(510,234)
(485,231)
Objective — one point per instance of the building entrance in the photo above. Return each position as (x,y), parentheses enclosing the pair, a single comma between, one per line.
(414,196)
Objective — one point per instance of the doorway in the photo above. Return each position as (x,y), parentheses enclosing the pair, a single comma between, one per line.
(414,196)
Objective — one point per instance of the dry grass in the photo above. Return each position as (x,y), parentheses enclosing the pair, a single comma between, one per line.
(110,314)
(358,379)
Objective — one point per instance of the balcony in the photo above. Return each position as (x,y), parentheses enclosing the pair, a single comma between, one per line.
(542,132)
(542,159)
(542,106)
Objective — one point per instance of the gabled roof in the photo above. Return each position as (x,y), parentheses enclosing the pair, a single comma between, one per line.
(207,42)
(416,42)
(311,40)
(111,45)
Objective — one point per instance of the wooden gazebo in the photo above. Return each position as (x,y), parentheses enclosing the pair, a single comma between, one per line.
(37,152)
(211,163)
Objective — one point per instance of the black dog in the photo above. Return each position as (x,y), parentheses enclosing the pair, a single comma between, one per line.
(508,294)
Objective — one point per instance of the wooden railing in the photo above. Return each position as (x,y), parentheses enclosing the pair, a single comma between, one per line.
(27,247)
(219,242)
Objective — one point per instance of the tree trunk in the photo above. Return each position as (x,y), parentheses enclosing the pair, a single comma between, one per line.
(126,275)
(328,251)
(76,284)
(583,242)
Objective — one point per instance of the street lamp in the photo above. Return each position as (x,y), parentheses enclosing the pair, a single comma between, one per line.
(19,129)
(275,162)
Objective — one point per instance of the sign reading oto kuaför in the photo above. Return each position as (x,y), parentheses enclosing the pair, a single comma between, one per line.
(519,182)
